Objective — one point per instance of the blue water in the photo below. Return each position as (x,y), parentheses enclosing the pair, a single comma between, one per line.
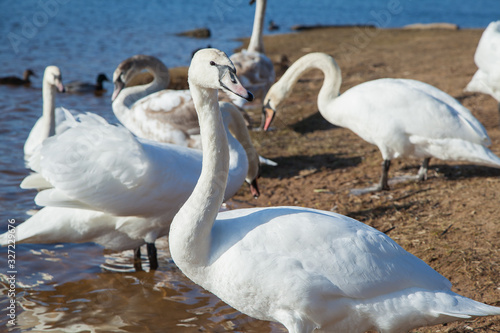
(84,38)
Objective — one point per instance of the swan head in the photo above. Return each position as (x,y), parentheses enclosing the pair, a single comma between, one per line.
(132,66)
(53,77)
(276,94)
(212,69)
(268,113)
(254,188)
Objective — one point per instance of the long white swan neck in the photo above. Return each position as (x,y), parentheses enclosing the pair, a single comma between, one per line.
(325,63)
(191,227)
(48,116)
(256,43)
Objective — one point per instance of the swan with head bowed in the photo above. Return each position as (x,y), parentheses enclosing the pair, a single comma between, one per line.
(487,59)
(108,187)
(49,123)
(403,118)
(254,68)
(308,269)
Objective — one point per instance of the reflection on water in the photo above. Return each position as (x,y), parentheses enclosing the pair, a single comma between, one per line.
(61,288)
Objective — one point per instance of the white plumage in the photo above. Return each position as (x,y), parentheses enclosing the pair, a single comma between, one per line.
(107,186)
(403,118)
(49,123)
(487,59)
(311,270)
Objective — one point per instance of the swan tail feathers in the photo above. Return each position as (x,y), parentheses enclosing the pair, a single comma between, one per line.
(35,181)
(66,225)
(424,308)
(465,308)
(266,161)
(56,198)
(458,150)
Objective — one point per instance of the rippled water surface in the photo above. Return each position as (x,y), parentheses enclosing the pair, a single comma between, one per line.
(64,287)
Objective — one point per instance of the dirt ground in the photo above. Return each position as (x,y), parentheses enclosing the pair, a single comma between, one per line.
(451,220)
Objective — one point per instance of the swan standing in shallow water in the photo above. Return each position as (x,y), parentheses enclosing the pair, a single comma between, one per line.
(403,118)
(307,269)
(254,68)
(107,186)
(47,124)
(487,59)
(84,87)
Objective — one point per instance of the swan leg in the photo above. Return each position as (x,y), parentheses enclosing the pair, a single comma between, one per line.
(384,184)
(137,259)
(152,256)
(422,172)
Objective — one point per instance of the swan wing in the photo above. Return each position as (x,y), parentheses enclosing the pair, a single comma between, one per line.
(62,225)
(99,166)
(487,58)
(288,252)
(389,112)
(453,107)
(488,49)
(166,116)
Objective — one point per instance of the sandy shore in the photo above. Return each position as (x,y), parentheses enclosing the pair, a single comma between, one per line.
(452,220)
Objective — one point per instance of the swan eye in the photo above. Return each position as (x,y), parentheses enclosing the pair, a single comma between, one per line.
(212,63)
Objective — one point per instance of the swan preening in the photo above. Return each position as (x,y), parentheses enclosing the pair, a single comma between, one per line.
(108,187)
(254,68)
(47,125)
(307,269)
(403,118)
(85,87)
(487,59)
(17,81)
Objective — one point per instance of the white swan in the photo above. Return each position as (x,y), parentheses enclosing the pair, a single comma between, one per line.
(308,269)
(254,68)
(403,118)
(487,59)
(114,189)
(51,118)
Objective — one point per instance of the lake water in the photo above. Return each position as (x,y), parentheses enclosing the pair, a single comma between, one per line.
(62,288)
